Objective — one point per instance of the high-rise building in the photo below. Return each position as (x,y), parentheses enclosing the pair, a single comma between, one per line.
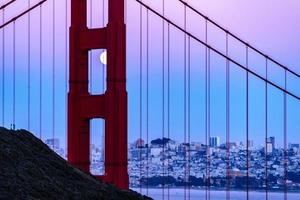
(270,145)
(214,141)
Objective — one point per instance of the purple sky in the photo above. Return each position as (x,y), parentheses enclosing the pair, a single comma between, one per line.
(270,25)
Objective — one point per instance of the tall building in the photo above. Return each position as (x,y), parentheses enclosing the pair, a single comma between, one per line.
(250,143)
(270,145)
(214,141)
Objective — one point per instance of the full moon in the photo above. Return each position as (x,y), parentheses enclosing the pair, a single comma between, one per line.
(103,57)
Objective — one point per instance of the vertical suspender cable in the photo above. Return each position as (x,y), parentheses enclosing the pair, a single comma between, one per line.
(14,75)
(266,129)
(29,70)
(90,52)
(227,122)
(168,180)
(206,113)
(208,123)
(185,145)
(163,98)
(189,114)
(141,93)
(3,67)
(103,65)
(66,74)
(40,68)
(53,77)
(103,87)
(285,136)
(147,103)
(247,122)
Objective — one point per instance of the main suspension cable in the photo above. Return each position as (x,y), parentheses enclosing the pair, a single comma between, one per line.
(21,14)
(219,52)
(239,39)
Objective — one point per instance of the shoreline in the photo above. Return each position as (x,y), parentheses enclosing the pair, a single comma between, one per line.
(215,189)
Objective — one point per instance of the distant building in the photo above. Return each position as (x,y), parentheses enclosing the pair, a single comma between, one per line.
(139,143)
(53,143)
(250,143)
(292,146)
(138,153)
(270,145)
(214,141)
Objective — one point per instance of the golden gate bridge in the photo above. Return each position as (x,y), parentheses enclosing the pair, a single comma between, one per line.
(112,106)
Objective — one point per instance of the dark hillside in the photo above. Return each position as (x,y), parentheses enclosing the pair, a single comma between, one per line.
(31,170)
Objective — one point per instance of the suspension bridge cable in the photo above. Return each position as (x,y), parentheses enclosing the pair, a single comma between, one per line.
(206,113)
(185,125)
(239,39)
(163,99)
(266,130)
(220,53)
(22,14)
(66,73)
(189,116)
(103,65)
(90,60)
(103,85)
(168,60)
(209,118)
(247,122)
(40,72)
(6,4)
(53,75)
(147,101)
(3,68)
(285,137)
(90,52)
(141,95)
(14,75)
(227,122)
(29,70)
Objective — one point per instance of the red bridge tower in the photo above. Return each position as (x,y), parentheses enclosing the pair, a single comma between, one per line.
(112,105)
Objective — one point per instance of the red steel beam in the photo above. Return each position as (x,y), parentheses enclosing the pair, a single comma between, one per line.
(112,105)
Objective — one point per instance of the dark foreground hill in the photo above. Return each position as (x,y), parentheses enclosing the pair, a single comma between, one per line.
(30,170)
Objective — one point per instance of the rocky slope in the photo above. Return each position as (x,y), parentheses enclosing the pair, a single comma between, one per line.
(31,170)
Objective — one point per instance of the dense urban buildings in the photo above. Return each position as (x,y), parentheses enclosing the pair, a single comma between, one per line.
(170,163)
